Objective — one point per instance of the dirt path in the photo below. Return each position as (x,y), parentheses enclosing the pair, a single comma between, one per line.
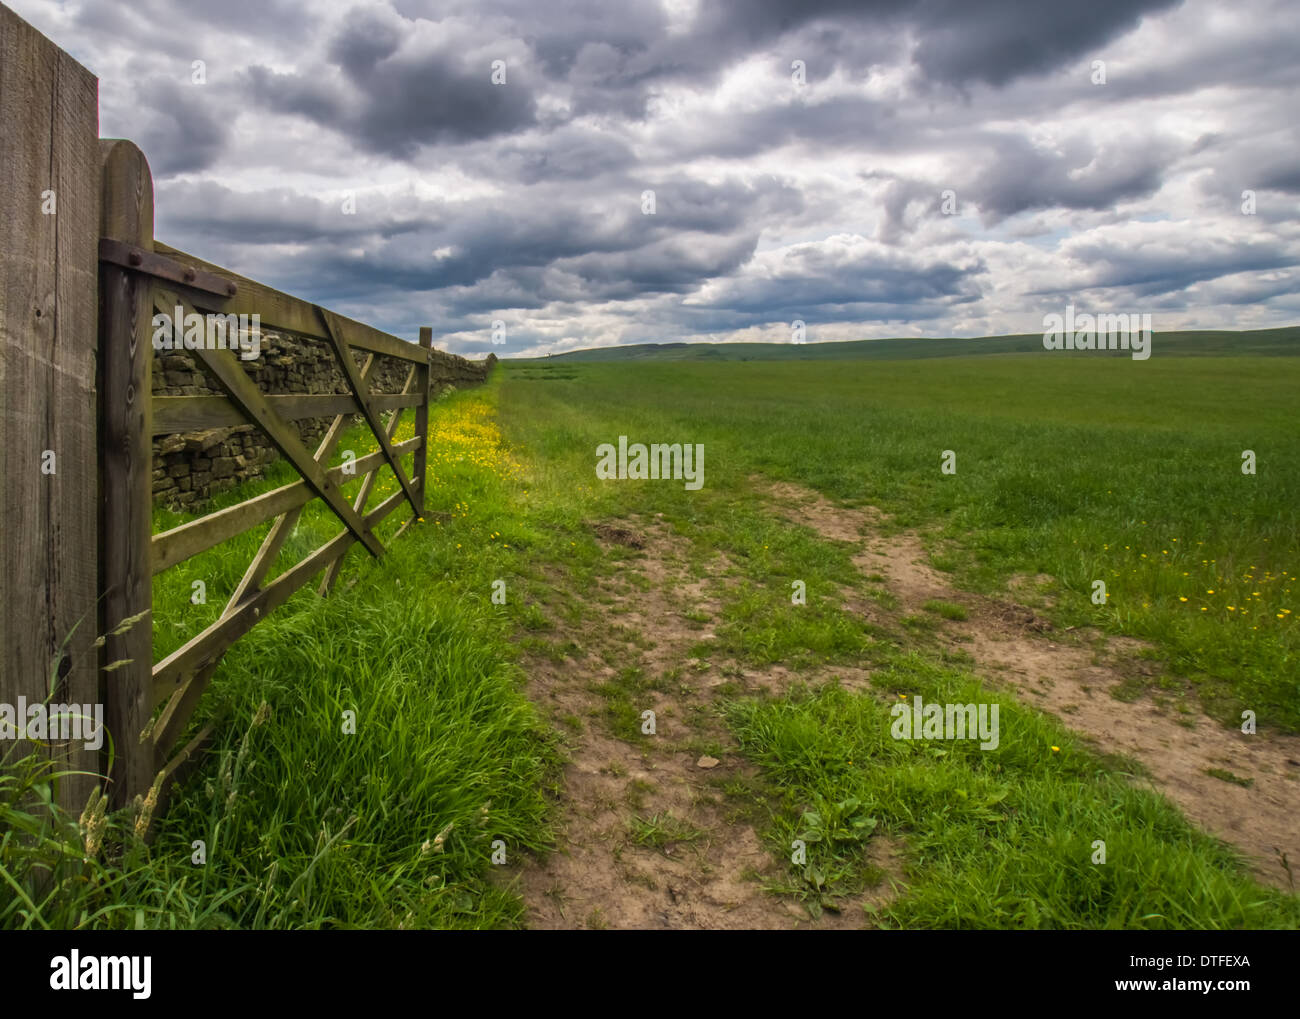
(650,838)
(658,830)
(1067,676)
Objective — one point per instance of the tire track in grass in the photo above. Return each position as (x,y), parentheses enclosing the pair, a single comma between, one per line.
(651,839)
(1245,789)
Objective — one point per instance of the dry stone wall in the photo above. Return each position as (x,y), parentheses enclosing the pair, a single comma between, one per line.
(191,467)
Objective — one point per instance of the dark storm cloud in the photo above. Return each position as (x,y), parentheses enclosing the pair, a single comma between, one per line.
(600,245)
(995,43)
(1262,59)
(960,42)
(598,251)
(814,284)
(683,204)
(1248,290)
(177,126)
(285,216)
(1280,173)
(676,264)
(1266,162)
(311,97)
(365,38)
(1163,267)
(401,104)
(1083,174)
(611,62)
(571,152)
(773,202)
(393,97)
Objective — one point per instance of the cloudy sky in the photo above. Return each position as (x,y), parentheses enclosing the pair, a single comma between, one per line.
(871,167)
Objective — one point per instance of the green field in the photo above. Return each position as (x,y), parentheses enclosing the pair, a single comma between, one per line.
(1085,470)
(1074,468)
(1080,469)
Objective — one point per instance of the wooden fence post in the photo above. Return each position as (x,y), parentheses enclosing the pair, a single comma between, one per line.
(126,469)
(49,230)
(420,467)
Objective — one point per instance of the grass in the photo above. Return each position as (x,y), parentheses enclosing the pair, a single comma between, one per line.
(662,831)
(946,609)
(1223,775)
(1060,465)
(624,710)
(995,839)
(1080,469)
(374,744)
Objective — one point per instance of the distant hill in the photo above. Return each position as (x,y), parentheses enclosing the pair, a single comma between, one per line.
(1207,343)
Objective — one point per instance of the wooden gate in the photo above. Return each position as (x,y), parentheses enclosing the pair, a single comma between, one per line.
(81,277)
(140,277)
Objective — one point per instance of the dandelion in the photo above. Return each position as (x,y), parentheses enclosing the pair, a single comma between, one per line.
(1056,750)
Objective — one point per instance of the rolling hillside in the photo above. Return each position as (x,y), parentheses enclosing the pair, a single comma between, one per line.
(1208,343)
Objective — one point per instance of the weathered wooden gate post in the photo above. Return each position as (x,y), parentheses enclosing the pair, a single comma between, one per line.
(49,227)
(419,467)
(126,468)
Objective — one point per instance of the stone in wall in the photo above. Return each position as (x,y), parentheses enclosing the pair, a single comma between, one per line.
(191,467)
